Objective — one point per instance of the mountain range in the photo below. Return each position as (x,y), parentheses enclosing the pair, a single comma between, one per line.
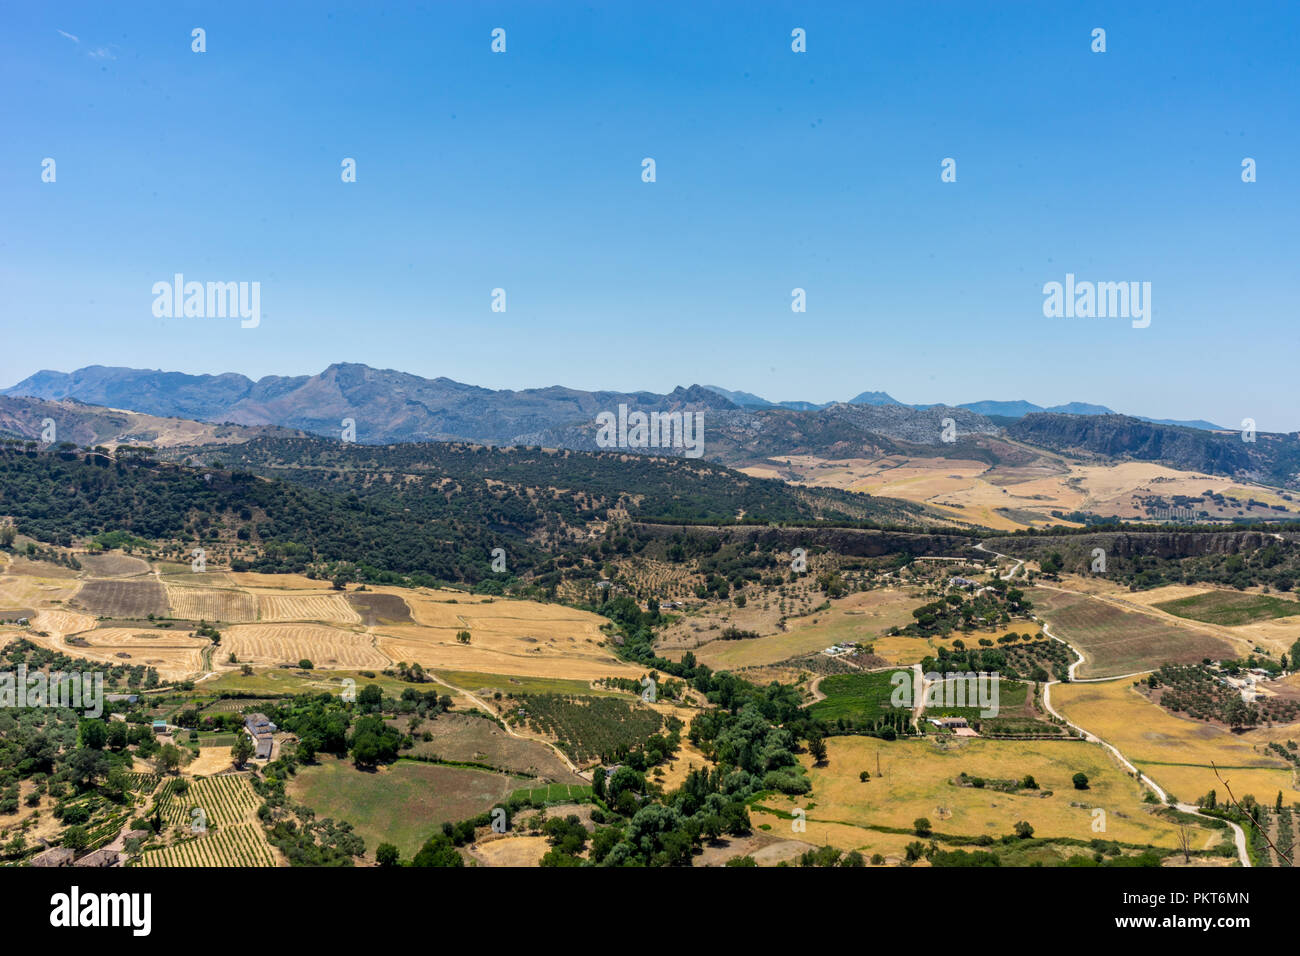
(383,406)
(995,409)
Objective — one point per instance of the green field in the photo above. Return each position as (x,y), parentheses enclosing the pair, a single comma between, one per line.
(403,803)
(474,682)
(862,697)
(217,740)
(284,682)
(1014,714)
(1230,608)
(553,793)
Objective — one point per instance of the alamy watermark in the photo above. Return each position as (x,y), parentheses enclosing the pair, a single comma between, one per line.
(179,299)
(957,689)
(684,430)
(82,691)
(1098,300)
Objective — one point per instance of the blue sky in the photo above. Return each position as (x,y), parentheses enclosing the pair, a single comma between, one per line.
(775,170)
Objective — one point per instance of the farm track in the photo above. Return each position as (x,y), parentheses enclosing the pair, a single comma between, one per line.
(1239,835)
(482,705)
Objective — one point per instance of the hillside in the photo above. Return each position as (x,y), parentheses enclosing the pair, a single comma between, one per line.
(89,425)
(1270,459)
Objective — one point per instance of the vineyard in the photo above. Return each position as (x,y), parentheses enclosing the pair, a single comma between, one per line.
(589,727)
(239,844)
(224,799)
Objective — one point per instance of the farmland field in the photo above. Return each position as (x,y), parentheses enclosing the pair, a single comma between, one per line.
(225,799)
(236,844)
(378,608)
(331,608)
(553,793)
(1231,608)
(859,617)
(403,803)
(1177,752)
(863,697)
(122,599)
(175,654)
(1116,641)
(916,779)
(215,605)
(586,728)
(113,564)
(464,738)
(270,644)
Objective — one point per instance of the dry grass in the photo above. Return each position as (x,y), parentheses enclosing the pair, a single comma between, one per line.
(511,851)
(1177,752)
(861,616)
(916,783)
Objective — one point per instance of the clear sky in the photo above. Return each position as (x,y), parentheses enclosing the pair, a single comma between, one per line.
(775,170)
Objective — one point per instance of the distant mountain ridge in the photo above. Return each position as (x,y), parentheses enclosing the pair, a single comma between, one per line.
(1009,409)
(384,406)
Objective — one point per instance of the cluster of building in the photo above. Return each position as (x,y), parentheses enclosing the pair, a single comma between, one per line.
(262,731)
(104,856)
(846,647)
(1246,682)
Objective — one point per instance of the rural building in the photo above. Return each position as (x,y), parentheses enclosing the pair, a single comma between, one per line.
(259,724)
(121,698)
(961,582)
(948,723)
(104,857)
(160,726)
(55,856)
(261,729)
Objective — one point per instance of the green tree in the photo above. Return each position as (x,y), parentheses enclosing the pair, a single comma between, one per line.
(387,855)
(241,750)
(1080,781)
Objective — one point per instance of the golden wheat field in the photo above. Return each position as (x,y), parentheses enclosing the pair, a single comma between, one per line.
(1177,752)
(331,608)
(25,590)
(61,623)
(272,644)
(1010,498)
(176,655)
(213,604)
